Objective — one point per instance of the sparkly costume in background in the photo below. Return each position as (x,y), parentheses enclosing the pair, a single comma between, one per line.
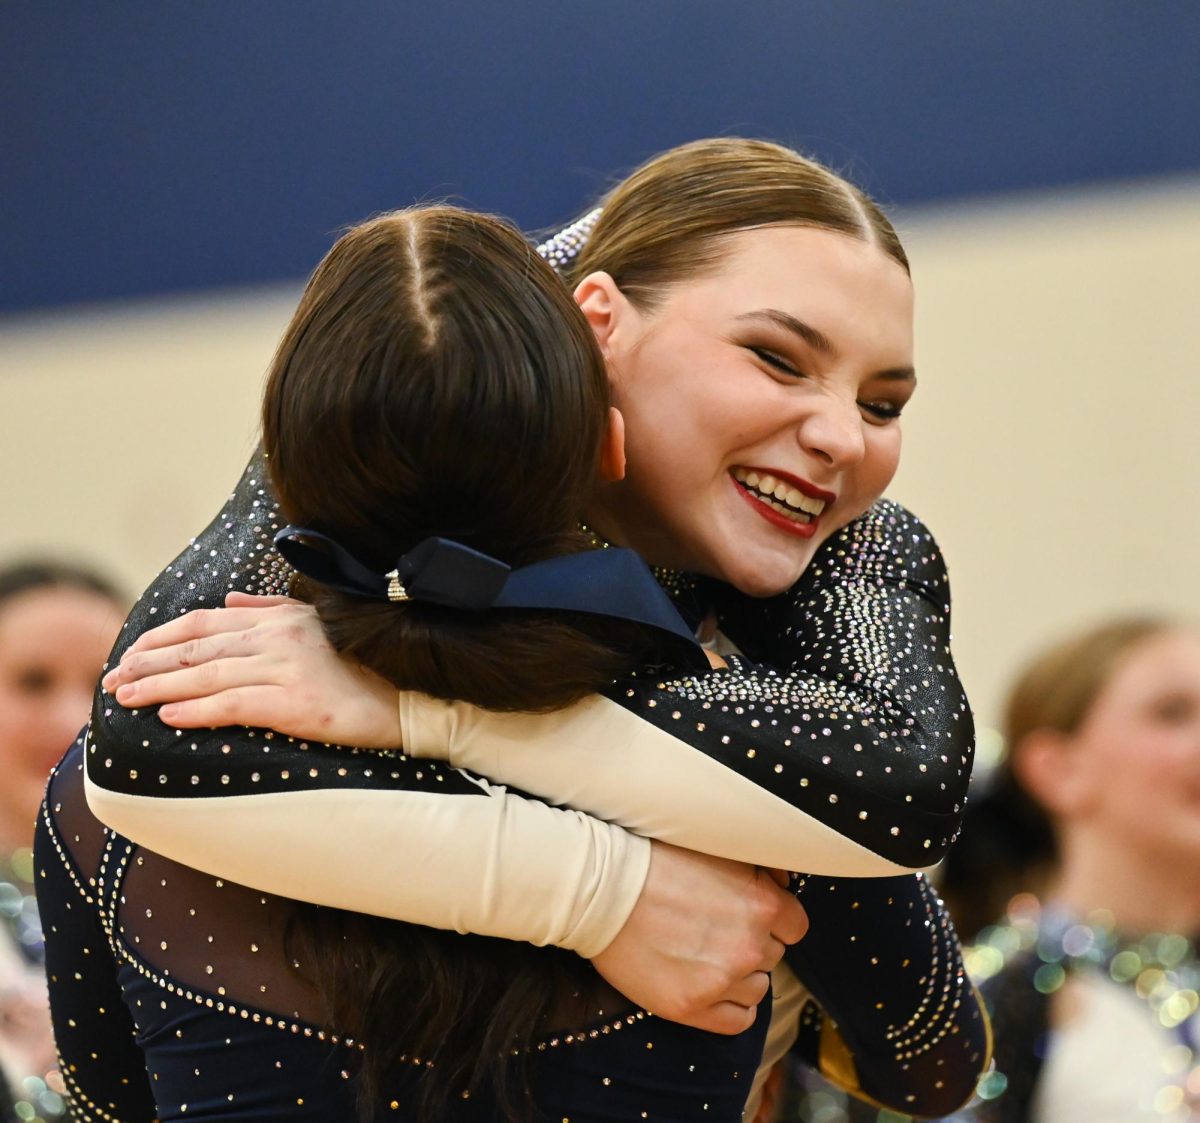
(1130,1052)
(30,1097)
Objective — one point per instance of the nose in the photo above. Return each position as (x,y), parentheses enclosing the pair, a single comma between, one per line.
(831,431)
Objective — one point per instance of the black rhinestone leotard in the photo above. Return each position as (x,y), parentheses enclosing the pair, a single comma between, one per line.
(850,758)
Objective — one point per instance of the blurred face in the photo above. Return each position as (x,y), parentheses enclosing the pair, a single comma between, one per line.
(1140,750)
(761,404)
(53,642)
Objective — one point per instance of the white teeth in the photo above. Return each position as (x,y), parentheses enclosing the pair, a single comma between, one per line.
(780,496)
(783,509)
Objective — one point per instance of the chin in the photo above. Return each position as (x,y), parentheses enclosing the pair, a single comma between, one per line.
(763,576)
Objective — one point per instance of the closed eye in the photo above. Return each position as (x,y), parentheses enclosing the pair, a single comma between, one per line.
(773,360)
(884,411)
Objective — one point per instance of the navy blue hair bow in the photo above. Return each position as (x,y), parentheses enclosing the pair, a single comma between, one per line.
(611,582)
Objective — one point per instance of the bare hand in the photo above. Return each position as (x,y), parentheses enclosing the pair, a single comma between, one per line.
(702,939)
(261,661)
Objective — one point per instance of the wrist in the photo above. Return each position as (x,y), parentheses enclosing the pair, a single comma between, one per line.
(381,725)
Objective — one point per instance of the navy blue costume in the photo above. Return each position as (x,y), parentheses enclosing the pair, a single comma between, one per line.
(174,993)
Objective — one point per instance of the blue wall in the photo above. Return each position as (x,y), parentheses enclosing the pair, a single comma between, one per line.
(158,145)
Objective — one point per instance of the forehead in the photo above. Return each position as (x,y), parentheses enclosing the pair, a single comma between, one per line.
(56,619)
(1168,661)
(810,273)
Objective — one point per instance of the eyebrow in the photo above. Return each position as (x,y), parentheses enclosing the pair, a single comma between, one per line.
(819,341)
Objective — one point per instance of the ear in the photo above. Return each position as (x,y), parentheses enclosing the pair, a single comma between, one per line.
(612,451)
(604,307)
(1052,768)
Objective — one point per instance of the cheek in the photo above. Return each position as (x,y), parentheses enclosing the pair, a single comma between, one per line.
(882,459)
(1128,782)
(875,473)
(23,725)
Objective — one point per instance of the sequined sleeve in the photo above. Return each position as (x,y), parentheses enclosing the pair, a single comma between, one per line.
(893,1017)
(850,759)
(374,832)
(863,723)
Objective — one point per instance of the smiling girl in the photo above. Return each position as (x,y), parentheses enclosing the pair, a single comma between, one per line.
(755,315)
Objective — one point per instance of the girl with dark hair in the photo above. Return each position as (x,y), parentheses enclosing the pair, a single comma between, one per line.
(755,341)
(1096,811)
(58,621)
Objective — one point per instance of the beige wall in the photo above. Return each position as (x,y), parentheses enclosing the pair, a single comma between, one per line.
(1052,446)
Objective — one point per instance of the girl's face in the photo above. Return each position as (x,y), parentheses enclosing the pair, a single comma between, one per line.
(761,403)
(53,641)
(1139,749)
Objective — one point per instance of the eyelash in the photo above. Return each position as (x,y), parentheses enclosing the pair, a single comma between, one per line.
(773,360)
(881,410)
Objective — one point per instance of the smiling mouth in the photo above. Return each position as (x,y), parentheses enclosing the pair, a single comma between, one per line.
(782,497)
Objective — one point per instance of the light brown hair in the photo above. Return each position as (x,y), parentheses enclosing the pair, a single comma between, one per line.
(1008,843)
(668,221)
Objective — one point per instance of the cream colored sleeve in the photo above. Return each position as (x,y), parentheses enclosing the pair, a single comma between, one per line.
(495,864)
(599,757)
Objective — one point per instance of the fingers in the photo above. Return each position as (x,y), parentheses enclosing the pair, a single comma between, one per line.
(227,707)
(190,653)
(790,921)
(772,953)
(193,682)
(197,624)
(750,991)
(727,1018)
(254,600)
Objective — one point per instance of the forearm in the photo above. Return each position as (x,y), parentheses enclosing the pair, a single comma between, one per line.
(851,760)
(375,832)
(900,1024)
(599,757)
(454,853)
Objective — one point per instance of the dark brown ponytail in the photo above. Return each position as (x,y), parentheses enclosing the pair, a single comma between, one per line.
(438,380)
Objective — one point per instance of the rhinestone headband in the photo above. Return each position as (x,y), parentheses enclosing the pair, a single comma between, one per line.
(565,246)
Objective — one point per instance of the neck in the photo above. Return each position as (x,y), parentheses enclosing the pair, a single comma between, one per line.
(614,518)
(1159,893)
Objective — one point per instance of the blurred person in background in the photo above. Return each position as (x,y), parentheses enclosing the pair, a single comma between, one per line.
(1088,835)
(57,624)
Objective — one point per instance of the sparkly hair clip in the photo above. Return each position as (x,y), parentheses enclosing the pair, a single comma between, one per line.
(614,582)
(565,246)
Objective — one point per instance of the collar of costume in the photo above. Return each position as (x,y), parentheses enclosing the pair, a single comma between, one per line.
(615,582)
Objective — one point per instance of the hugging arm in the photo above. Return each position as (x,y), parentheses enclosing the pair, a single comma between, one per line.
(850,759)
(863,735)
(387,834)
(369,831)
(893,1017)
